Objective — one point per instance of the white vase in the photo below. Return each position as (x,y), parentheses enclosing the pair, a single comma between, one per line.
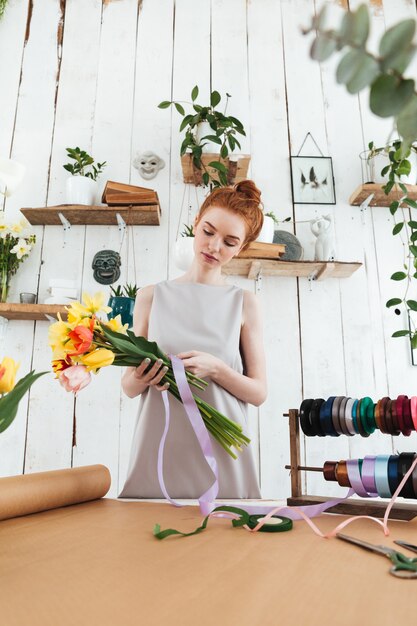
(183,253)
(267,232)
(81,190)
(204,128)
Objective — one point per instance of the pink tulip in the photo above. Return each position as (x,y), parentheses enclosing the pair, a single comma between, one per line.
(75,378)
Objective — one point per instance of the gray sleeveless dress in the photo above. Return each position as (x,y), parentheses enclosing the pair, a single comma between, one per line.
(183,317)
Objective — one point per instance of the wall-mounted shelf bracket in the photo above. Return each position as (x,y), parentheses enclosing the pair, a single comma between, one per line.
(66,224)
(364,205)
(121,225)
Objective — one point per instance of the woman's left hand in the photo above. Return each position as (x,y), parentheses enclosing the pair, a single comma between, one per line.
(200,364)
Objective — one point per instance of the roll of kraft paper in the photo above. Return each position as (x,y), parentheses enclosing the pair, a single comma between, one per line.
(41,491)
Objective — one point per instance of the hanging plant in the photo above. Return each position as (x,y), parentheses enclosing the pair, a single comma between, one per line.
(224,131)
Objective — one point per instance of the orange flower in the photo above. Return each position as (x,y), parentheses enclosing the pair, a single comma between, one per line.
(82,338)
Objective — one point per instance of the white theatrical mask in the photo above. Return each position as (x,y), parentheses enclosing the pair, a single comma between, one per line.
(148,164)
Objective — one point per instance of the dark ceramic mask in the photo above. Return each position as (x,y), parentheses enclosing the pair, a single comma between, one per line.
(106,266)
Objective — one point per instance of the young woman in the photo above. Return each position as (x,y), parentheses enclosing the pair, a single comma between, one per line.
(216,329)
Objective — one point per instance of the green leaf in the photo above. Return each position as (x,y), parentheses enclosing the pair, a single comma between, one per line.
(400,333)
(215,98)
(187,119)
(397,228)
(390,94)
(9,403)
(224,151)
(364,75)
(407,120)
(194,93)
(412,304)
(236,122)
(402,187)
(412,224)
(164,105)
(413,236)
(213,138)
(179,108)
(349,65)
(397,38)
(323,47)
(410,202)
(206,178)
(413,250)
(414,341)
(218,166)
(398,276)
(387,188)
(393,302)
(393,207)
(360,26)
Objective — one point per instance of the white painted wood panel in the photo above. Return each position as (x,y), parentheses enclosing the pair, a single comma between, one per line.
(100,89)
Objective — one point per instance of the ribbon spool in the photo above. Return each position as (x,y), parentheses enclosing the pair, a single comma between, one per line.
(340,415)
(275,524)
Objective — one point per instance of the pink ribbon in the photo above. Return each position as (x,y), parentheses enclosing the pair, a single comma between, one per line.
(362,486)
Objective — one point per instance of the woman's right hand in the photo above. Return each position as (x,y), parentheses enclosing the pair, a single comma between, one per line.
(152,377)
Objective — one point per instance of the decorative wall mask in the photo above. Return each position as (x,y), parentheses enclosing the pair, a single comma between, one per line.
(106,266)
(148,164)
(324,248)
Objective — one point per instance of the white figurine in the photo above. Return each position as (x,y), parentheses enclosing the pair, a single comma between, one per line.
(324,248)
(148,164)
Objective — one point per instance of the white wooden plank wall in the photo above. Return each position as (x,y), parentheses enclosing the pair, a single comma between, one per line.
(91,74)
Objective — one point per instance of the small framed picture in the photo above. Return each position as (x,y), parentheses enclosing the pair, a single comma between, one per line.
(312,180)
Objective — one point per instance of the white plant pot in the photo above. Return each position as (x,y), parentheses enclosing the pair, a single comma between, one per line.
(203,129)
(267,232)
(81,190)
(184,253)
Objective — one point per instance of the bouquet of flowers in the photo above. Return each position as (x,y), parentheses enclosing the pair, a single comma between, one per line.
(86,343)
(15,245)
(10,392)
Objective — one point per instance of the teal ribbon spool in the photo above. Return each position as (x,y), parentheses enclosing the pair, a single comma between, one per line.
(280,525)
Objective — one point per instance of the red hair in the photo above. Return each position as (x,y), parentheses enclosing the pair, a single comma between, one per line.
(243,198)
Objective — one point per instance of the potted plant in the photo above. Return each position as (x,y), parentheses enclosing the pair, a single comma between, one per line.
(380,160)
(210,138)
(82,185)
(122,302)
(16,244)
(184,249)
(268,227)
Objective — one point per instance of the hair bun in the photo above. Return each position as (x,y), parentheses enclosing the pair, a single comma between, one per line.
(249,189)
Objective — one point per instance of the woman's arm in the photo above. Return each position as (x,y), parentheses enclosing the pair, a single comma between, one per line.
(135,381)
(251,386)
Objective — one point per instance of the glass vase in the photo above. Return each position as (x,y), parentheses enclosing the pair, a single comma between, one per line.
(4,284)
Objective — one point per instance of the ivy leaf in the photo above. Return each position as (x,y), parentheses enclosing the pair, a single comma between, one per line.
(414,341)
(215,98)
(397,228)
(194,93)
(393,302)
(410,202)
(164,105)
(400,333)
(413,250)
(412,304)
(398,276)
(179,108)
(393,207)
(412,224)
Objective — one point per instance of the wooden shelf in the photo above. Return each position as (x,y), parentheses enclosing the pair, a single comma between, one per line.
(315,270)
(380,198)
(16,311)
(79,214)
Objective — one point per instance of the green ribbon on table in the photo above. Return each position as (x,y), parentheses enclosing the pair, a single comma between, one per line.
(244,519)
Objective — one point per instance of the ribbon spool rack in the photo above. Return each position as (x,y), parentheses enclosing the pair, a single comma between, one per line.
(350,506)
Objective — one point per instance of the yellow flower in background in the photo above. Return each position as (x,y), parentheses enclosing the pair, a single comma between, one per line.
(95,303)
(77,312)
(97,359)
(116,325)
(8,370)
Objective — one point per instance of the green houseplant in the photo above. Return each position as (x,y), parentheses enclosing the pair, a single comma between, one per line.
(122,302)
(183,253)
(391,95)
(82,185)
(208,128)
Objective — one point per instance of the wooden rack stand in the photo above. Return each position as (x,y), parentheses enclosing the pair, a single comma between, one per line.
(347,507)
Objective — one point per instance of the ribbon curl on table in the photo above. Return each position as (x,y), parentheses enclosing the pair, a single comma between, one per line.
(206,501)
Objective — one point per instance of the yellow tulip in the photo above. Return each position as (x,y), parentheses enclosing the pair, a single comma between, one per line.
(116,325)
(8,369)
(95,303)
(58,338)
(97,359)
